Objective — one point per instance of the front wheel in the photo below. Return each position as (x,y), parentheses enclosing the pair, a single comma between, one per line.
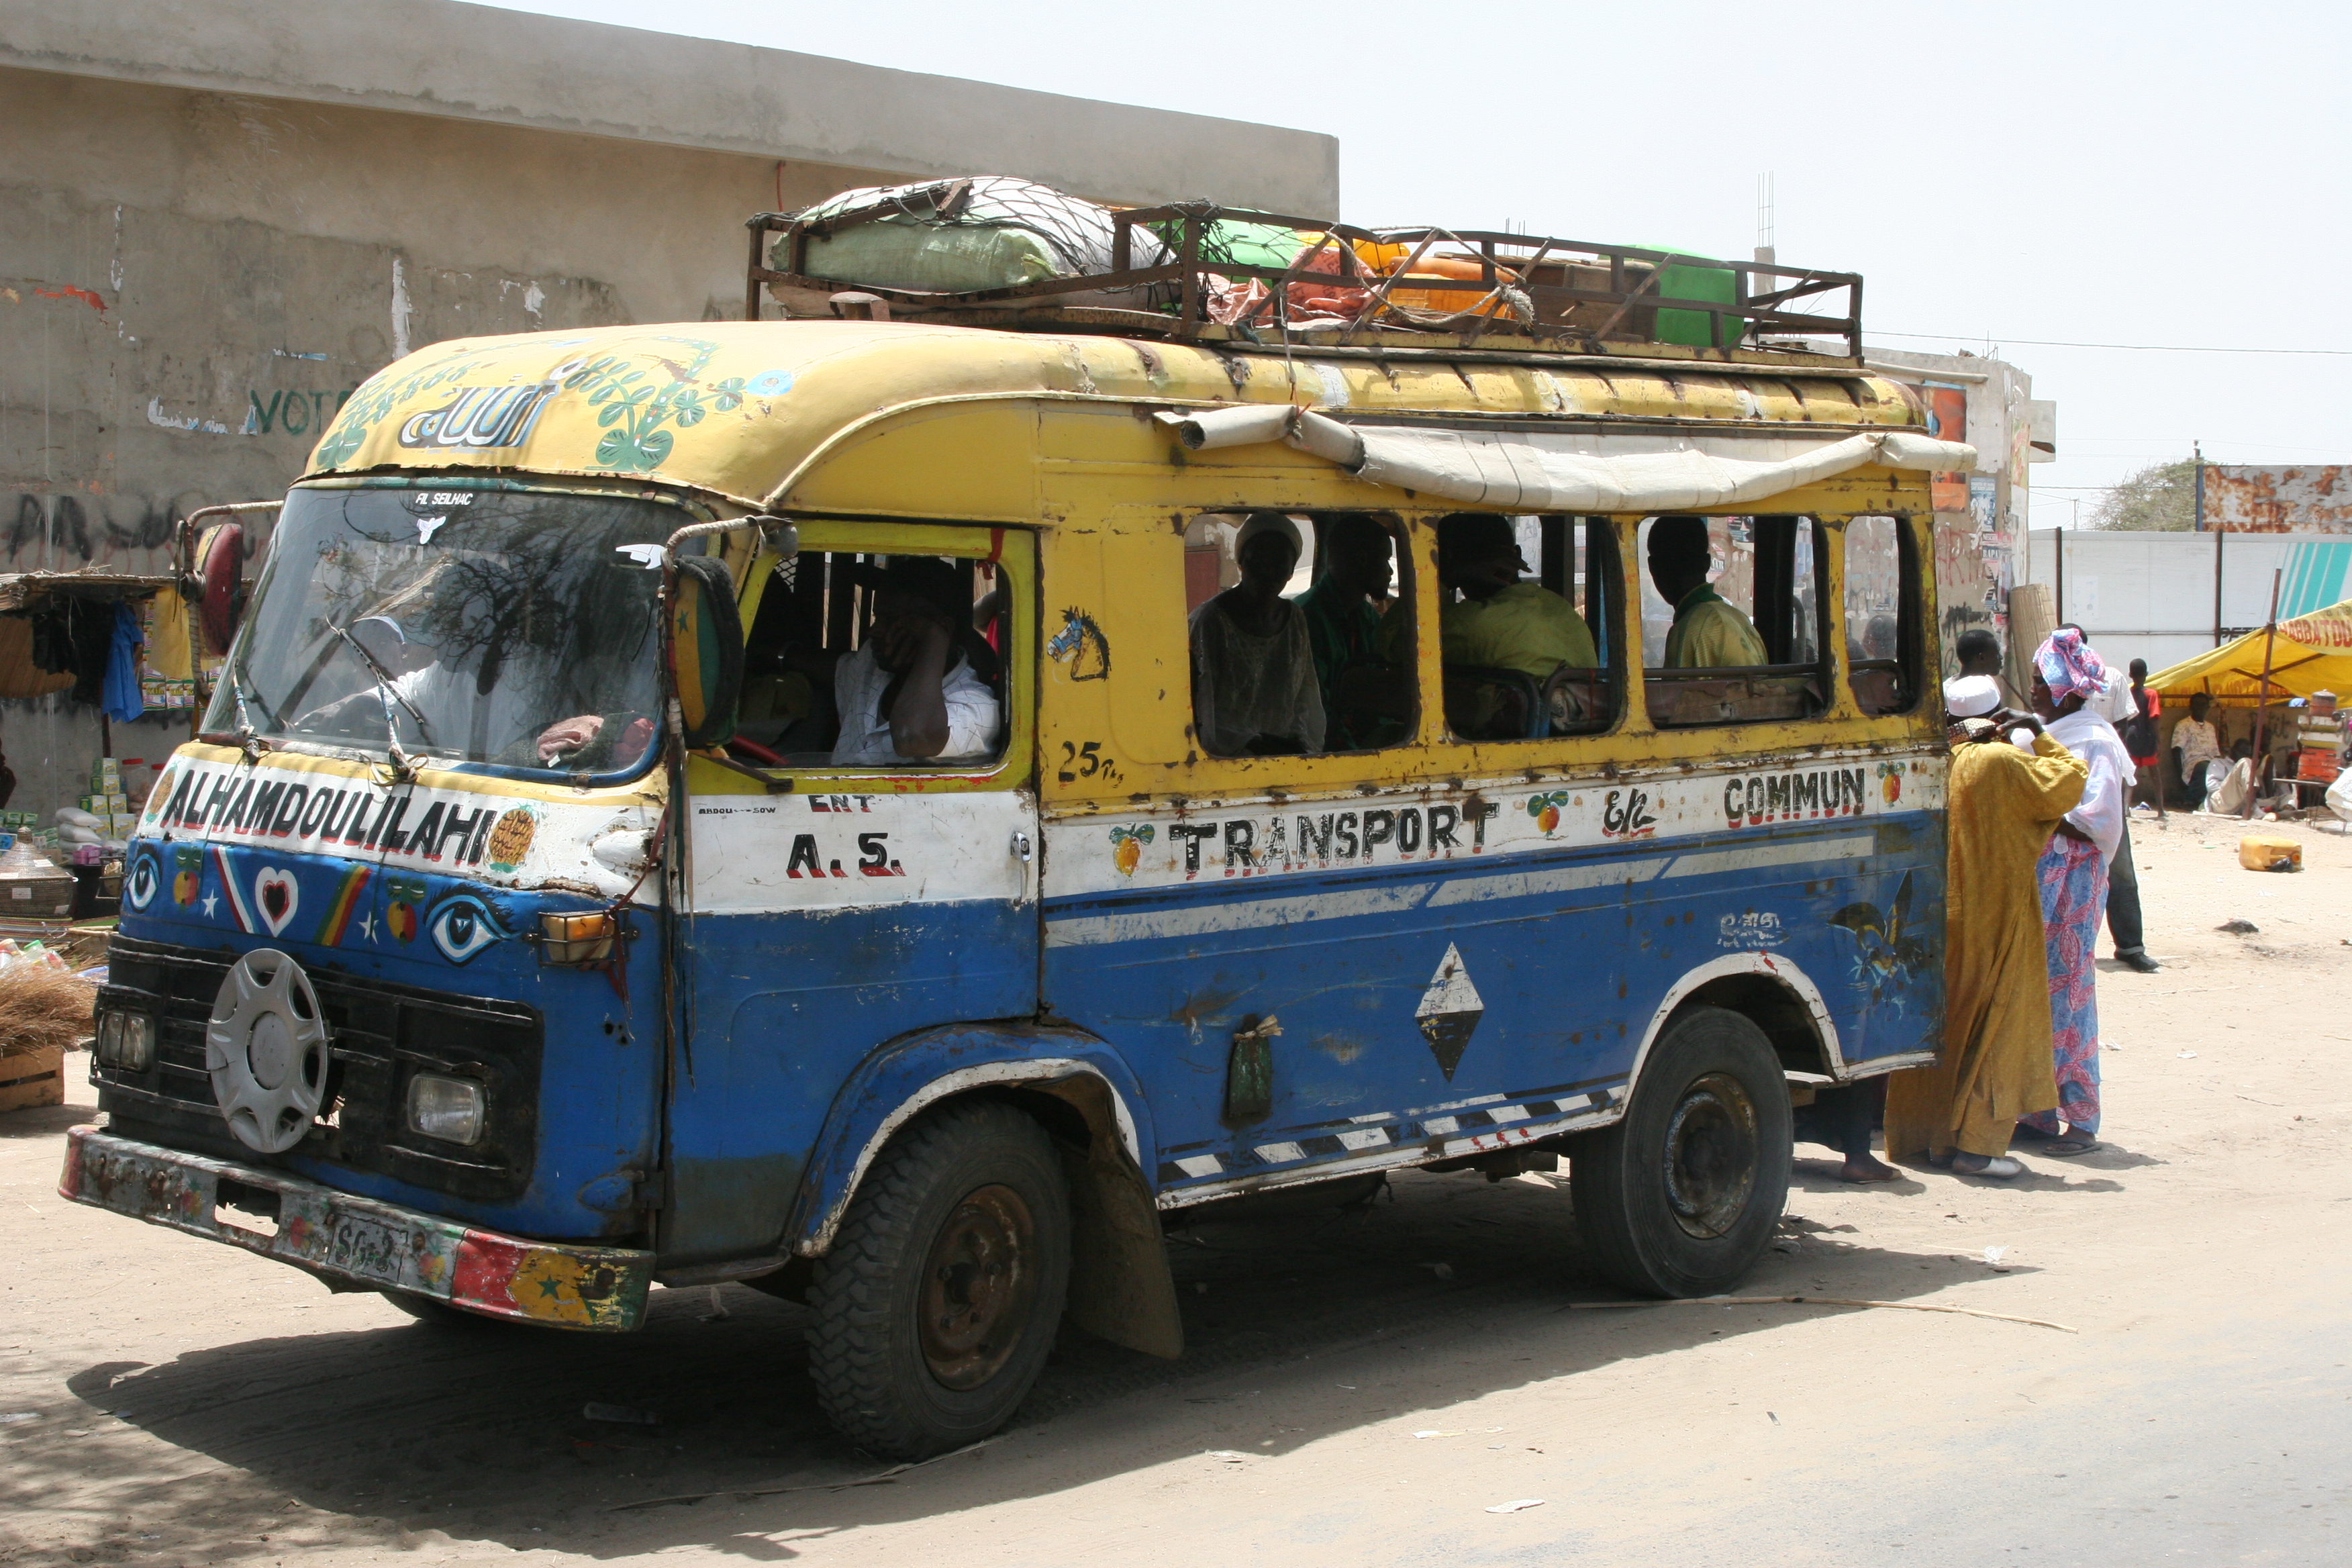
(1680,1197)
(938,1301)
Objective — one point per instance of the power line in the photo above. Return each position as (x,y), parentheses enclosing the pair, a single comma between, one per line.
(2134,347)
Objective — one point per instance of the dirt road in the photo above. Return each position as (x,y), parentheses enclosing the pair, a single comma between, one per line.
(1360,1388)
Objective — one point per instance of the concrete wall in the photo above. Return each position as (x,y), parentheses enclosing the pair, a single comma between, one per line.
(216,219)
(473,62)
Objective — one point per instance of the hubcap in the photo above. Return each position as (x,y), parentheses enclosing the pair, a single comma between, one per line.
(1711,1155)
(979,1287)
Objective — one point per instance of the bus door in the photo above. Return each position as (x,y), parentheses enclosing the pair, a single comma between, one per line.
(835,905)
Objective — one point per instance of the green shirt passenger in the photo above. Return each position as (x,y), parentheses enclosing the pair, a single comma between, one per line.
(1708,632)
(1500,621)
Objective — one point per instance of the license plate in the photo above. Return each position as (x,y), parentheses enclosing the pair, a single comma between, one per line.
(368,1248)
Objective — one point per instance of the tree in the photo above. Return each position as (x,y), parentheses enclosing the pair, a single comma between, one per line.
(2161,498)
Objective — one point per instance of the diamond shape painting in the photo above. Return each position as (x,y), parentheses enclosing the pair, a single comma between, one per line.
(1450,1009)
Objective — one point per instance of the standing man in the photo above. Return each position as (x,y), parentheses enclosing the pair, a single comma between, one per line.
(1979,653)
(2138,731)
(1995,1065)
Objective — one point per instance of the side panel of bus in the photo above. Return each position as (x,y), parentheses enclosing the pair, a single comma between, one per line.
(1416,968)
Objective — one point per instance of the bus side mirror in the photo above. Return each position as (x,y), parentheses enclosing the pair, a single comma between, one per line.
(220,578)
(706,650)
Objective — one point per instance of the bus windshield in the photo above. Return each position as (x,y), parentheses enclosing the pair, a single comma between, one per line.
(502,628)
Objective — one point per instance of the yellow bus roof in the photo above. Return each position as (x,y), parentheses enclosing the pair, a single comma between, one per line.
(734,409)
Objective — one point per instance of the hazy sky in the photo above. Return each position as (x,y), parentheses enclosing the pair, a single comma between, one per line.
(2151,174)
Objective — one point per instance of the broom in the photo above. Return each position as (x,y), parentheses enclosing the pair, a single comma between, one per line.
(41,1007)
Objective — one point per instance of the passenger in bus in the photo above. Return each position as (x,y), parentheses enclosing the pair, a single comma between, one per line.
(1708,632)
(1254,693)
(1500,621)
(914,691)
(1960,1112)
(1367,699)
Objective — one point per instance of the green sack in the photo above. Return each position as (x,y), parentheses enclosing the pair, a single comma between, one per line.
(931,258)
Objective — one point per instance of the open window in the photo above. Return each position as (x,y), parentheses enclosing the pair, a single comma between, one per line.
(1882,615)
(857,659)
(1526,628)
(1732,623)
(1301,633)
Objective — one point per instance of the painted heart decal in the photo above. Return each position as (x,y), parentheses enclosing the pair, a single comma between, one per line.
(276,896)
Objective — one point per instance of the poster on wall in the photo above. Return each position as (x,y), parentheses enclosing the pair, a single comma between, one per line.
(1947,420)
(1984,501)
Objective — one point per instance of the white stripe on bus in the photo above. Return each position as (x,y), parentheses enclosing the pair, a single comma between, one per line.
(1215,916)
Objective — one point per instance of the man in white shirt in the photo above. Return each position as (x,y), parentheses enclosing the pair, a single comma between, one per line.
(2196,743)
(910,695)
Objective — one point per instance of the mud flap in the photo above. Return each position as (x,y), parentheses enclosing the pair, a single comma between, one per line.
(1120,1287)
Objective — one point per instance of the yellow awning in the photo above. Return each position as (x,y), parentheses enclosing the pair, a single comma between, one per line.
(2311,653)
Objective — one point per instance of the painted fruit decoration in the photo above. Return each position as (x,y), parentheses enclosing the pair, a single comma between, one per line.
(511,839)
(188,865)
(1545,810)
(406,894)
(1890,781)
(1126,847)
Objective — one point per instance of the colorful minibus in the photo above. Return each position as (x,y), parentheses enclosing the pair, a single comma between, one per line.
(797,803)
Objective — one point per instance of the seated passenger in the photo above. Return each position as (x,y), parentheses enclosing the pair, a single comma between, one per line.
(912,692)
(1499,621)
(1366,705)
(1253,686)
(1708,632)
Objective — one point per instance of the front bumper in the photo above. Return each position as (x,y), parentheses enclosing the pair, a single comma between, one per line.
(359,1243)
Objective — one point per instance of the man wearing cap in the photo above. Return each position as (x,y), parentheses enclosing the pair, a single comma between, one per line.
(911,693)
(2002,805)
(1501,622)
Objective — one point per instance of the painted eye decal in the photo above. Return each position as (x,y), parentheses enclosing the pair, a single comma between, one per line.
(461,925)
(146,876)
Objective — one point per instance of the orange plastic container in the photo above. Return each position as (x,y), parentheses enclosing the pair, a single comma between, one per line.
(1448,301)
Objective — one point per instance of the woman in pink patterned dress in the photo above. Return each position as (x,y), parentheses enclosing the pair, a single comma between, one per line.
(2074,872)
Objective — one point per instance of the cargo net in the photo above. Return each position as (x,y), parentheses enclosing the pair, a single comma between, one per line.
(1077,232)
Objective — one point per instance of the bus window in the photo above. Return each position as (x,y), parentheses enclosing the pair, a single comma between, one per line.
(1732,619)
(1524,627)
(1882,631)
(1301,633)
(861,660)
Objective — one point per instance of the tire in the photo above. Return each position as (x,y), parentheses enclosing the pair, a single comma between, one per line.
(1682,1195)
(971,1195)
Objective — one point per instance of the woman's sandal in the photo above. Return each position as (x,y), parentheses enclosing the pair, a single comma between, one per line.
(2068,1147)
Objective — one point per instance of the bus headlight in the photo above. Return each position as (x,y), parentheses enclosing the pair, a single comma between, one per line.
(126,1040)
(577,940)
(449,1109)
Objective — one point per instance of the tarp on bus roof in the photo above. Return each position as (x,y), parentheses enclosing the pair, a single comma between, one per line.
(2311,653)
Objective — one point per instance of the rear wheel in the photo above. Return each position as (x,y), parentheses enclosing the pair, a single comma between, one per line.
(1680,1198)
(938,1303)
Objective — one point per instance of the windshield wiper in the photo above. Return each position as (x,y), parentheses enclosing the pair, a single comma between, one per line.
(404,765)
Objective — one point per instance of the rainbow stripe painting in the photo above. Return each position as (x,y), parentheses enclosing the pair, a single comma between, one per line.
(339,911)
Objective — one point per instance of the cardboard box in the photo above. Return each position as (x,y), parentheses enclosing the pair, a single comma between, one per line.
(34,1077)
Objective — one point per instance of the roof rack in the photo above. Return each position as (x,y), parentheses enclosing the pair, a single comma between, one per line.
(1532,293)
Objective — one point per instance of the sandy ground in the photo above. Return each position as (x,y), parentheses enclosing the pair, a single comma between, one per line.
(1346,1399)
